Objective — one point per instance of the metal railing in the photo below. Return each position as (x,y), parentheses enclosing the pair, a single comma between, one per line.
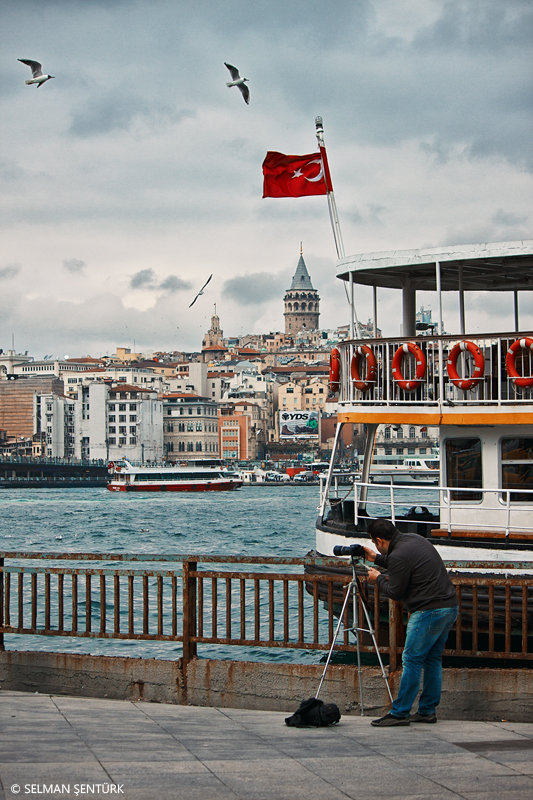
(435,387)
(240,601)
(501,513)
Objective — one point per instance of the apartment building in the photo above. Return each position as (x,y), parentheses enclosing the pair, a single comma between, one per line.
(190,427)
(242,431)
(119,421)
(309,394)
(17,402)
(54,424)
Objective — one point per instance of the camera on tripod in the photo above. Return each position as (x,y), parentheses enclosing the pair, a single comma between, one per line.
(353,550)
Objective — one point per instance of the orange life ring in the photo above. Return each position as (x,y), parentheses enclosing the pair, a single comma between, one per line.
(371,368)
(414,349)
(479,365)
(111,465)
(335,370)
(519,344)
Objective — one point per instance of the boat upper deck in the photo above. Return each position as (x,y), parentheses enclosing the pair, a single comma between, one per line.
(413,379)
(458,379)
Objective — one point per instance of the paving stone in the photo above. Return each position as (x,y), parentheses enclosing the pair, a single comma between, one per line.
(168,751)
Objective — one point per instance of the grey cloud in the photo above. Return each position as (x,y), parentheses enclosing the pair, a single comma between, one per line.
(147,279)
(174,284)
(506,218)
(478,23)
(144,279)
(256,288)
(95,325)
(118,110)
(9,272)
(74,265)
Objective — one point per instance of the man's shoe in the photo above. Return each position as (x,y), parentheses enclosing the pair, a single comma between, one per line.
(423,717)
(389,720)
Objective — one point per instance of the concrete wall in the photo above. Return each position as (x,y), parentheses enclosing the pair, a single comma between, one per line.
(476,694)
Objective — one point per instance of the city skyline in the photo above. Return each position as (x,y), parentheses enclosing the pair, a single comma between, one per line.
(136,173)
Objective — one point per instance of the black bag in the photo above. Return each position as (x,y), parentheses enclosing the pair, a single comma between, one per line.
(315,713)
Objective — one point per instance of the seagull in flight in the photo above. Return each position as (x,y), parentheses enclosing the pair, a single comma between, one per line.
(238,81)
(201,291)
(36,71)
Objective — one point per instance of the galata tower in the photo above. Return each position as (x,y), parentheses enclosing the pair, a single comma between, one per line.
(301,302)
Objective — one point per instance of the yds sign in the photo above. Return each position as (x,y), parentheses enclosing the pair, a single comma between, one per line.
(298,424)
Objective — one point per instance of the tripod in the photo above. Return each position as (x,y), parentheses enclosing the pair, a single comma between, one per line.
(354,590)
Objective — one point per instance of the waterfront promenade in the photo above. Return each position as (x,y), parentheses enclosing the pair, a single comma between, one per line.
(58,746)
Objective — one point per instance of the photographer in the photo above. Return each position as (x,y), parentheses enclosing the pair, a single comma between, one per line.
(415,575)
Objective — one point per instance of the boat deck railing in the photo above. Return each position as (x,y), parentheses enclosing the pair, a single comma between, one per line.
(492,384)
(500,508)
(195,602)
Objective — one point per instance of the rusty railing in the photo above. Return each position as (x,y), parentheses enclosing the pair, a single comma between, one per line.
(243,601)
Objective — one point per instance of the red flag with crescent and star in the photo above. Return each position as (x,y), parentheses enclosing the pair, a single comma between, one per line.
(294,176)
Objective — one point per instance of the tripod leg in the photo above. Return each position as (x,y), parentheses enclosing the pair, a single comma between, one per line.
(373,635)
(356,630)
(337,629)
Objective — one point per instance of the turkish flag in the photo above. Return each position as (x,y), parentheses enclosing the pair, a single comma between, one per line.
(293,176)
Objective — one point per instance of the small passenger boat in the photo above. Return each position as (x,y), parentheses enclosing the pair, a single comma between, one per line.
(405,470)
(171,478)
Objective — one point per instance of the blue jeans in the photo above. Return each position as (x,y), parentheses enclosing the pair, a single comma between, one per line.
(427,632)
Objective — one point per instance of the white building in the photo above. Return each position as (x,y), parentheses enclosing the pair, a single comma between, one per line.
(54,418)
(189,377)
(248,384)
(10,360)
(119,421)
(128,374)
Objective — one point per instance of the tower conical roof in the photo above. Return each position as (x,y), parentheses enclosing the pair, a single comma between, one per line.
(301,279)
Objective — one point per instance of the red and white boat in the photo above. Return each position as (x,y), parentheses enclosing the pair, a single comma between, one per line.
(172,478)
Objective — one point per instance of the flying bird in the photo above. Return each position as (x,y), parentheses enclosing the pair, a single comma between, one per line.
(238,81)
(201,291)
(36,71)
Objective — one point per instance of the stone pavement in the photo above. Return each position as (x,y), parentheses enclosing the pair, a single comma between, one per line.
(65,747)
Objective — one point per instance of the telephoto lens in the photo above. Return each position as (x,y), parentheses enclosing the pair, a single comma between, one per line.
(354,550)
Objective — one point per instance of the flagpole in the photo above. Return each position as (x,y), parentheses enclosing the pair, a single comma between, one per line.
(335,224)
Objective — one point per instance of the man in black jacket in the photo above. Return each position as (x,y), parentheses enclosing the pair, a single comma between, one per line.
(415,575)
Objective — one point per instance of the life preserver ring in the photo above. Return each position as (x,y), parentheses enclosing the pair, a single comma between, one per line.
(111,465)
(479,365)
(414,349)
(335,370)
(371,368)
(519,344)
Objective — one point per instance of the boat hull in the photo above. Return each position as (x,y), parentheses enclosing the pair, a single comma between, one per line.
(223,486)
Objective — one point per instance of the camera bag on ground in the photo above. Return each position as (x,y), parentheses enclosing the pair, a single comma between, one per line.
(314,712)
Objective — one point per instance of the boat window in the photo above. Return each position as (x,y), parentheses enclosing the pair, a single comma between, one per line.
(517,467)
(463,468)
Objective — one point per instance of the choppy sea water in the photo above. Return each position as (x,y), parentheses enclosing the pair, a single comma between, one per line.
(255,520)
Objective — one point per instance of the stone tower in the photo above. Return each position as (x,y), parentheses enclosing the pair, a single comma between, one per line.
(301,302)
(214,335)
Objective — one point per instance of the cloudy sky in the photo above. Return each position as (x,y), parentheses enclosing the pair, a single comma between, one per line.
(136,173)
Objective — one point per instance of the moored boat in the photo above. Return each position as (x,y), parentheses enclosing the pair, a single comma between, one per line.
(405,470)
(126,477)
(476,388)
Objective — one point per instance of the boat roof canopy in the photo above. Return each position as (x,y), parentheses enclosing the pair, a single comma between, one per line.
(501,266)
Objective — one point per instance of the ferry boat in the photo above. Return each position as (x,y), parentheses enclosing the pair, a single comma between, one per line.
(408,470)
(477,388)
(193,477)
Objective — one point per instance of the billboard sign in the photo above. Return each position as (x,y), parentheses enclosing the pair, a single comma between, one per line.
(298,424)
